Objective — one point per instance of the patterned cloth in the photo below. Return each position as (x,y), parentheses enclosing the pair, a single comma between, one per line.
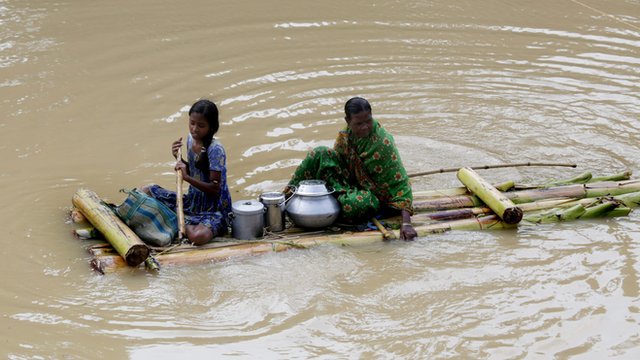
(366,173)
(200,208)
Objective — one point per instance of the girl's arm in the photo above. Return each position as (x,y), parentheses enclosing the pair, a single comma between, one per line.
(211,188)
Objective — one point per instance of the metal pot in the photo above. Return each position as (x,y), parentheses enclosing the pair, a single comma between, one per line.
(274,214)
(313,205)
(247,220)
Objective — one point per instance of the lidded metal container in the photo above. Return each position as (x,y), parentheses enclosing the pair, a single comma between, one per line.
(274,213)
(247,219)
(313,205)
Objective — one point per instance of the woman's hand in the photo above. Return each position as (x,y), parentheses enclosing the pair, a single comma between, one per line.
(407,232)
(175,146)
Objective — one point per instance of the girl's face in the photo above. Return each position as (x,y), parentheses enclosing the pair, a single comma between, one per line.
(198,126)
(361,124)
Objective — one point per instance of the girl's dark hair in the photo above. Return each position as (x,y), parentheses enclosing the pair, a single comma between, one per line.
(356,105)
(210,112)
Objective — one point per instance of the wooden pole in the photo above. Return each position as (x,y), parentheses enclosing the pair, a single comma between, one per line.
(386,234)
(611,188)
(439,171)
(179,204)
(500,204)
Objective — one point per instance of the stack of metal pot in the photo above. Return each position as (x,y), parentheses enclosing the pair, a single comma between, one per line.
(311,206)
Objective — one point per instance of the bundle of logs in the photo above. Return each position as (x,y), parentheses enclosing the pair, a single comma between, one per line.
(478,205)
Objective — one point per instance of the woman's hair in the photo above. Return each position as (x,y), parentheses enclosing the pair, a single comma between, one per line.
(209,111)
(356,105)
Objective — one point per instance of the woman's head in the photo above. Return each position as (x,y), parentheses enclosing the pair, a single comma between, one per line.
(358,116)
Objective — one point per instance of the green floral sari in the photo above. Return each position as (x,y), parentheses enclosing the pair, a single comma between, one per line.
(366,173)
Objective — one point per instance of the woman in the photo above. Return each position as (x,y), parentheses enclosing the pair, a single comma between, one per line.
(364,168)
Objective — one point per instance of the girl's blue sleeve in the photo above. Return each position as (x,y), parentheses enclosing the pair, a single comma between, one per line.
(217,157)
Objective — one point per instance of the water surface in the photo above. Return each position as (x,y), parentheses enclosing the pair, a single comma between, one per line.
(93,94)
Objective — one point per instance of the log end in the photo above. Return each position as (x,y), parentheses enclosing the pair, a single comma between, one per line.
(137,254)
(512,215)
(77,216)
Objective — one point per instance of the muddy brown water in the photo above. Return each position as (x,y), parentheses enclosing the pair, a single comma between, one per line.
(93,94)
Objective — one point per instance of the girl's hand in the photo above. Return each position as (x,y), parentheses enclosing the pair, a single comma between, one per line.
(407,232)
(182,167)
(175,146)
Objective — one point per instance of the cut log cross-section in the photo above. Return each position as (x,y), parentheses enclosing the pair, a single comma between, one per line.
(495,200)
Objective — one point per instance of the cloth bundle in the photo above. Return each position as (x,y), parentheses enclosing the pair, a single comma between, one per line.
(150,219)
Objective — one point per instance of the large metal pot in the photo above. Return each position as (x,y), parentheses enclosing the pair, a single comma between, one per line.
(247,220)
(313,205)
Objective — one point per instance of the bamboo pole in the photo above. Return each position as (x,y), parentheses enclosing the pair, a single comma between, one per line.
(556,215)
(484,167)
(77,217)
(451,214)
(625,175)
(494,199)
(444,203)
(567,192)
(459,190)
(386,234)
(599,210)
(179,205)
(611,188)
(617,212)
(631,200)
(578,179)
(119,235)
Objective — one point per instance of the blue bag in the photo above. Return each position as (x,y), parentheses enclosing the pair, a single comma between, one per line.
(149,218)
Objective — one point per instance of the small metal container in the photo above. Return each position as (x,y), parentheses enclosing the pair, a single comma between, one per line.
(274,214)
(247,220)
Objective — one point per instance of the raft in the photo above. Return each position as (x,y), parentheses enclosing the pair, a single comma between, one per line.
(477,205)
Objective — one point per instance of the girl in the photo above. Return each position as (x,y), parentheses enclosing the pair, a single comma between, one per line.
(208,201)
